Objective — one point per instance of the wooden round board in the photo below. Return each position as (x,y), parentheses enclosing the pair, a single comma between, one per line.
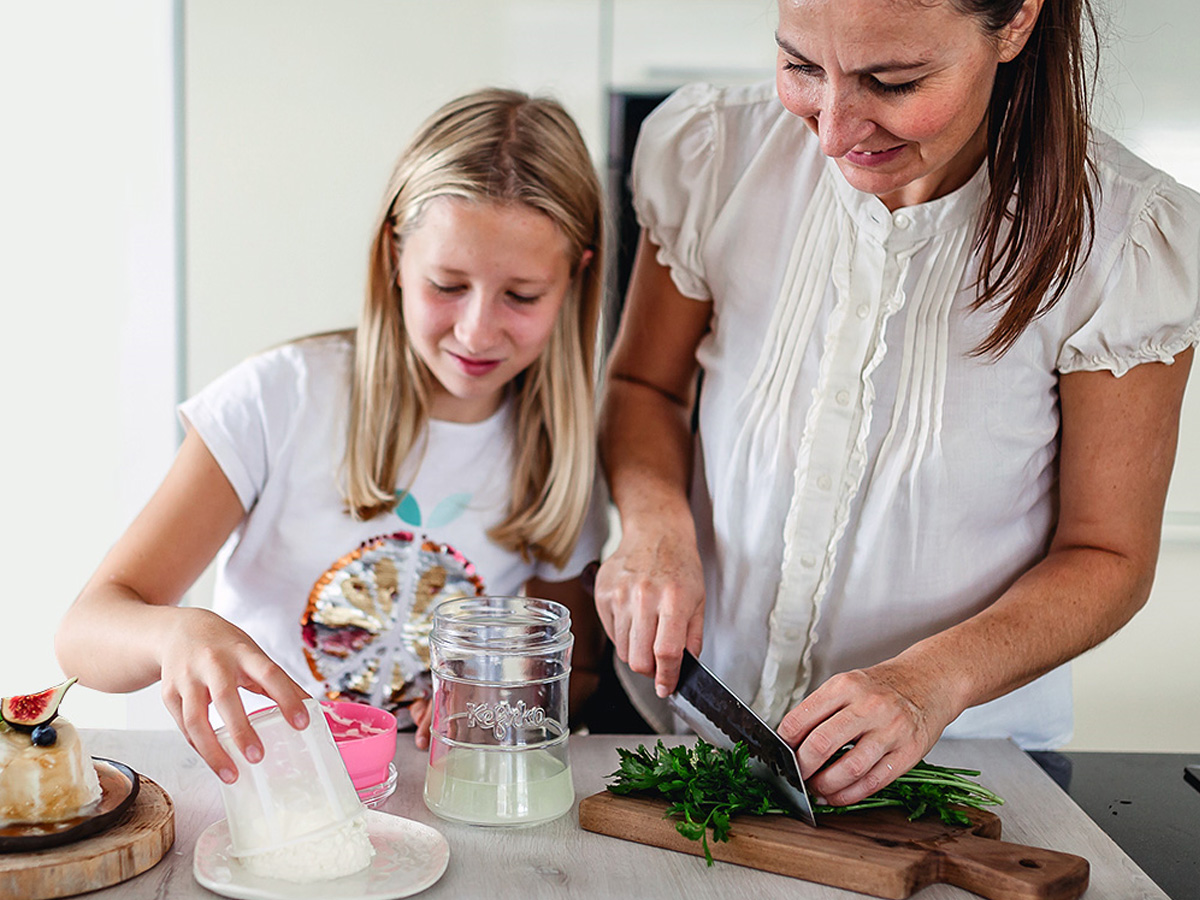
(128,848)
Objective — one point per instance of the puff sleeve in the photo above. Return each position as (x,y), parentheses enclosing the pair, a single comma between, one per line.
(1147,306)
(674,169)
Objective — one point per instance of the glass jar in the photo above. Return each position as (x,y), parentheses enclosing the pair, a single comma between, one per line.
(498,738)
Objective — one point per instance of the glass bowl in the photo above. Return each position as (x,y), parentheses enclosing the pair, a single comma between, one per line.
(366,739)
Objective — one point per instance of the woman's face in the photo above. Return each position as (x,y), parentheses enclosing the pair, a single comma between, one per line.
(896,90)
(481,289)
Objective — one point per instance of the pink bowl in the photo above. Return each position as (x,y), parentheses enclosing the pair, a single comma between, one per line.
(366,738)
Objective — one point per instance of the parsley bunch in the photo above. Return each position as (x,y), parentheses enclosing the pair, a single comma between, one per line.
(705,785)
(926,789)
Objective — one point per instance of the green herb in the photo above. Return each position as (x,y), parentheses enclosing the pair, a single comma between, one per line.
(706,786)
(927,789)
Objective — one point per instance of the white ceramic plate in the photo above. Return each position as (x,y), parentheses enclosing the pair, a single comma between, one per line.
(409,857)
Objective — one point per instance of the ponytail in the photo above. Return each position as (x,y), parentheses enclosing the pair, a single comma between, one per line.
(1037,224)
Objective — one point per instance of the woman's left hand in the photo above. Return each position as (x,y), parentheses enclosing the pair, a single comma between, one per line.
(891,713)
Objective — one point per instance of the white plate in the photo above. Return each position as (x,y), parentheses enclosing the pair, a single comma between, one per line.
(409,857)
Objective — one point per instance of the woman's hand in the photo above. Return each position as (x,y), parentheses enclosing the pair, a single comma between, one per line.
(892,713)
(650,597)
(204,661)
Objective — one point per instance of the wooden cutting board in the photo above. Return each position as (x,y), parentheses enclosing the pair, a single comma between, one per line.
(131,846)
(877,852)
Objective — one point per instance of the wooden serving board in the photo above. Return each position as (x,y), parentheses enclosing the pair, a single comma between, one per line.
(877,852)
(131,846)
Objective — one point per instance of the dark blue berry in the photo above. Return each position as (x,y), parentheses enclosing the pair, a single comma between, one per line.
(44,736)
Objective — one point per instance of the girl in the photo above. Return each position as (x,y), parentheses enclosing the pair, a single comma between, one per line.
(444,447)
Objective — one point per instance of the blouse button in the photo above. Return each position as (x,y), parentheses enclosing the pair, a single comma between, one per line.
(792,634)
(843,398)
(863,310)
(808,560)
(901,221)
(824,482)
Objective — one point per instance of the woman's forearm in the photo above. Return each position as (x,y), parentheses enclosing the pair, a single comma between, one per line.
(1068,603)
(650,592)
(646,450)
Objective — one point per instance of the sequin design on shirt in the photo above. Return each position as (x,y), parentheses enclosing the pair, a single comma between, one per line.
(366,625)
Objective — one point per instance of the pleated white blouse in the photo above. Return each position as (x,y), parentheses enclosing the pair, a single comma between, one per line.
(862,480)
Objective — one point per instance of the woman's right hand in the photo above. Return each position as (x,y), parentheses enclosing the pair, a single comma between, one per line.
(204,660)
(650,596)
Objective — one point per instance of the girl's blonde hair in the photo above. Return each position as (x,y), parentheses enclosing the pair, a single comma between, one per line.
(492,146)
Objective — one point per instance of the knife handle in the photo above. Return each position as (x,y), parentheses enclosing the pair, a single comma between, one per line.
(1003,871)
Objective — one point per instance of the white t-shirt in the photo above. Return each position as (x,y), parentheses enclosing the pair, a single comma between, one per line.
(344,605)
(862,480)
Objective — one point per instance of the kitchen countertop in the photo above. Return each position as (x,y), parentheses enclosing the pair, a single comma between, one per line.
(559,859)
(1142,801)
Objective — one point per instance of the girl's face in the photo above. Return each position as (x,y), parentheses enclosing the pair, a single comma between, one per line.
(897,91)
(481,285)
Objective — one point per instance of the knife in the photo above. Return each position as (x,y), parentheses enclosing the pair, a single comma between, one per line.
(720,717)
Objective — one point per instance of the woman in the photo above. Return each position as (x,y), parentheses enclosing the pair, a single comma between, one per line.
(944,330)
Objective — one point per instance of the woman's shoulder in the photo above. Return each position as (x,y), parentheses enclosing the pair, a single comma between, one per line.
(745,113)
(1131,190)
(758,97)
(701,142)
(1134,298)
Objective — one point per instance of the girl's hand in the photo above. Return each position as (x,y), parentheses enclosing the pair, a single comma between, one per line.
(205,660)
(891,713)
(421,711)
(650,597)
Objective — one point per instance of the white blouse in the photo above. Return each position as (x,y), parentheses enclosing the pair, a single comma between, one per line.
(862,480)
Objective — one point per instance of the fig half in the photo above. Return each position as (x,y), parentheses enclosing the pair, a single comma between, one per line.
(28,711)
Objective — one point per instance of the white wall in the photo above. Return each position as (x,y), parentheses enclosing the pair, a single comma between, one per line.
(1140,690)
(297,110)
(87,287)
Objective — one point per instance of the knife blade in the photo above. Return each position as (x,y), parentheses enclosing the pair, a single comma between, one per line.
(720,717)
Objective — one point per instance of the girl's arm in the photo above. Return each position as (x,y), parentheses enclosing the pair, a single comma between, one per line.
(126,630)
(1117,450)
(650,592)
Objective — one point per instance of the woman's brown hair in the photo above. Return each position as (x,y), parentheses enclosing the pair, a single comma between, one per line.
(492,146)
(1037,224)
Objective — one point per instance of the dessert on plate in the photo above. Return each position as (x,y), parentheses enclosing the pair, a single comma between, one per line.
(46,775)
